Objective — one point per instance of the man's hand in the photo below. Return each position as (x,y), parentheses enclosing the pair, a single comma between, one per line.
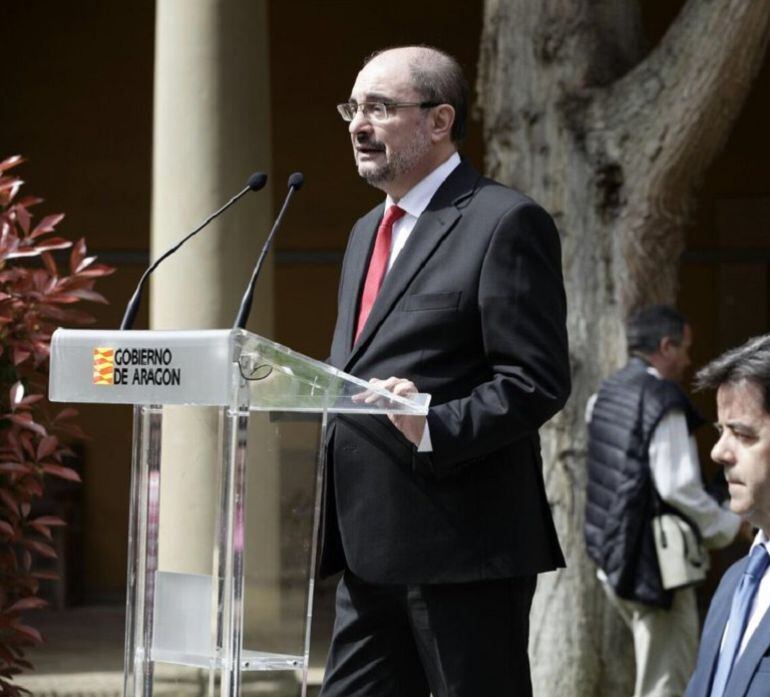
(412,427)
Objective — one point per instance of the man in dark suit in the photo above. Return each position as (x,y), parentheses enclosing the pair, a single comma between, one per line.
(734,655)
(440,524)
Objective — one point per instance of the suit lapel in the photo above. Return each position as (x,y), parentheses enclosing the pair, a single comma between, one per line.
(711,641)
(432,226)
(355,272)
(744,668)
(428,232)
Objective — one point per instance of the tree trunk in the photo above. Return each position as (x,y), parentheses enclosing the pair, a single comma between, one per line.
(612,139)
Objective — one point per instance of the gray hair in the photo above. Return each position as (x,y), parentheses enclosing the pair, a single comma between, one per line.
(646,328)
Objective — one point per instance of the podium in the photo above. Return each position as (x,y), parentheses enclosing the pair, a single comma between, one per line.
(248,606)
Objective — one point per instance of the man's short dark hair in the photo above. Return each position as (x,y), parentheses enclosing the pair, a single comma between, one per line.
(750,362)
(439,78)
(646,328)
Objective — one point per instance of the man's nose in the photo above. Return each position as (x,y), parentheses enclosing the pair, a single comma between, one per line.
(359,123)
(722,453)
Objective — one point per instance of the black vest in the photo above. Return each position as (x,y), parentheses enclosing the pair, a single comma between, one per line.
(621,499)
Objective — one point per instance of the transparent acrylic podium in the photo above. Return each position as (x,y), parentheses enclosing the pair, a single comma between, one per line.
(262,409)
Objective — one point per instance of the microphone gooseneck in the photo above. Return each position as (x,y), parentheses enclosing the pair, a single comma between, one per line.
(255,182)
(295,184)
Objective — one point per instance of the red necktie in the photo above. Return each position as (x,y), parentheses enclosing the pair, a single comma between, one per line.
(378,265)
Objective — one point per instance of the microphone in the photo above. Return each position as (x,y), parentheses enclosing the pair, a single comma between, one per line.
(255,182)
(295,184)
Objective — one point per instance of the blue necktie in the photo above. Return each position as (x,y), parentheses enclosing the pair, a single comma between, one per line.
(739,617)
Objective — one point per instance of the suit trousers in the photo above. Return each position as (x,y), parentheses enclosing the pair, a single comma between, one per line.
(665,642)
(448,640)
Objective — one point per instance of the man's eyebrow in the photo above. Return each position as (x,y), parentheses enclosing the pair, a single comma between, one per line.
(741,427)
(372,97)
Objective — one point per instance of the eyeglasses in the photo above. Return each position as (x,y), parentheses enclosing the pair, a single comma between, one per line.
(377,111)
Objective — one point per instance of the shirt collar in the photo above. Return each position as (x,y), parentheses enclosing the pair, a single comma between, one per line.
(416,200)
(654,372)
(760,539)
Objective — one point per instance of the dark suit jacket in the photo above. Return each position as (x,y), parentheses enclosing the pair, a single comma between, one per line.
(473,312)
(751,674)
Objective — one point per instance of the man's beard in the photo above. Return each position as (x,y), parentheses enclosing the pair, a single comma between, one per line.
(397,164)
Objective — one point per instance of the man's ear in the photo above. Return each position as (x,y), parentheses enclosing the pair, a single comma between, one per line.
(665,344)
(442,120)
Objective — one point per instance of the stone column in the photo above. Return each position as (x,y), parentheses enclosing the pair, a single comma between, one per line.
(211,131)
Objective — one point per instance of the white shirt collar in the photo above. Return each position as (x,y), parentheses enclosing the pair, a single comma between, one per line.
(654,372)
(760,539)
(416,200)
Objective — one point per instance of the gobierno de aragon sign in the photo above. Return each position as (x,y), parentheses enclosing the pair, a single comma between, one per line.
(135,366)
(153,367)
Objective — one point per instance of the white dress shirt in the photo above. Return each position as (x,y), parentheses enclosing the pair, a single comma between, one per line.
(414,202)
(676,474)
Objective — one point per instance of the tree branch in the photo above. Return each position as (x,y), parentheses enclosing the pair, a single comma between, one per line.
(532,53)
(694,84)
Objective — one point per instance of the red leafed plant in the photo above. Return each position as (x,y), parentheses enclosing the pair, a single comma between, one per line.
(36,297)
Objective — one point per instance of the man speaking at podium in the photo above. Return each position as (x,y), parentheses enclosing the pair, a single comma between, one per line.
(453,287)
